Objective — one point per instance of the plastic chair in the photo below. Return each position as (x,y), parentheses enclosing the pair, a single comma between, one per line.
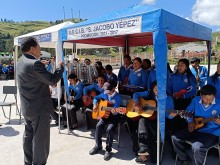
(10,90)
(216,145)
(124,101)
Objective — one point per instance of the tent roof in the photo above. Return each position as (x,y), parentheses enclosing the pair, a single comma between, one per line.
(49,36)
(135,25)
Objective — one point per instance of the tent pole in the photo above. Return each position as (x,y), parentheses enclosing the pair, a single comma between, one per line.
(126,49)
(208,43)
(15,54)
(160,52)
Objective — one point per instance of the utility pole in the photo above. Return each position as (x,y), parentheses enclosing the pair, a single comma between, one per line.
(64,13)
(79,15)
(72,14)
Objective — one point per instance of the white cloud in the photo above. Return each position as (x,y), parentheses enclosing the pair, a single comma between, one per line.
(148,2)
(188,18)
(207,11)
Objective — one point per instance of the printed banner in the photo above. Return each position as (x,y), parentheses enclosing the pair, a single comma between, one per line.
(40,38)
(105,29)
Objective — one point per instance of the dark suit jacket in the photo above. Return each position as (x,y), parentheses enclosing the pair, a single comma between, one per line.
(33,84)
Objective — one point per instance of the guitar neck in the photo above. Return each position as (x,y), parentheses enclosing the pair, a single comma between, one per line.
(107,108)
(209,119)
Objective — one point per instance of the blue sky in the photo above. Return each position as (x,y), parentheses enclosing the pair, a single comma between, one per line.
(205,12)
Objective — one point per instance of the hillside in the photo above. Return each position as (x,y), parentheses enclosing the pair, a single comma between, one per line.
(10,29)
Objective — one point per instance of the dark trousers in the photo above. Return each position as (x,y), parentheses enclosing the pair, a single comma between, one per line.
(147,136)
(178,123)
(200,143)
(36,139)
(72,117)
(133,127)
(112,122)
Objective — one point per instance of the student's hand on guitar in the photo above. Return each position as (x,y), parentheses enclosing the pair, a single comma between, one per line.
(113,111)
(137,108)
(217,121)
(95,108)
(191,127)
(173,114)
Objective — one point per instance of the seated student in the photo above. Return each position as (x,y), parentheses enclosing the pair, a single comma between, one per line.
(76,87)
(114,98)
(182,87)
(137,77)
(98,88)
(215,81)
(95,86)
(124,73)
(147,127)
(146,64)
(205,106)
(110,76)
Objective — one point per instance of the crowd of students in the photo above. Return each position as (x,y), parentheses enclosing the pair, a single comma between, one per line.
(188,88)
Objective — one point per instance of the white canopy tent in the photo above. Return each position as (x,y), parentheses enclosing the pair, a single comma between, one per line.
(49,38)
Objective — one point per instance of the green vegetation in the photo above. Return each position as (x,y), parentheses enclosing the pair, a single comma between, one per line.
(10,29)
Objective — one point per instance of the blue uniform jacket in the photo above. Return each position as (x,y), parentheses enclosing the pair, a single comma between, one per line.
(216,84)
(199,110)
(203,75)
(115,99)
(111,78)
(124,72)
(78,88)
(145,94)
(138,78)
(94,86)
(179,82)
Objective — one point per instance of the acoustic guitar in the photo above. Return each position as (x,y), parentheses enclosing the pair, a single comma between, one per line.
(148,110)
(200,121)
(104,110)
(88,99)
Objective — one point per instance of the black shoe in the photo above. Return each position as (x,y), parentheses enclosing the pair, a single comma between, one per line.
(184,162)
(143,152)
(140,161)
(95,150)
(107,155)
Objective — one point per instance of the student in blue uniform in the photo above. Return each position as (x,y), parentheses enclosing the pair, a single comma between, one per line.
(182,87)
(200,72)
(76,89)
(96,86)
(114,98)
(215,81)
(110,76)
(123,74)
(137,76)
(147,127)
(204,106)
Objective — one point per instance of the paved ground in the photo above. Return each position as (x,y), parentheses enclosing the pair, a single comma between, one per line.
(67,149)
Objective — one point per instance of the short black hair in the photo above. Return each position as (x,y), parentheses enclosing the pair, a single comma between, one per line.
(112,85)
(138,59)
(208,90)
(87,60)
(72,76)
(27,43)
(99,63)
(127,57)
(108,67)
(195,59)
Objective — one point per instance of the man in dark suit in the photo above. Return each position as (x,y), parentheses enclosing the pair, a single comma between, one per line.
(36,103)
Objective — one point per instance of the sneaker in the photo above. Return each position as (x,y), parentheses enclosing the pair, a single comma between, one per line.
(95,150)
(107,155)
